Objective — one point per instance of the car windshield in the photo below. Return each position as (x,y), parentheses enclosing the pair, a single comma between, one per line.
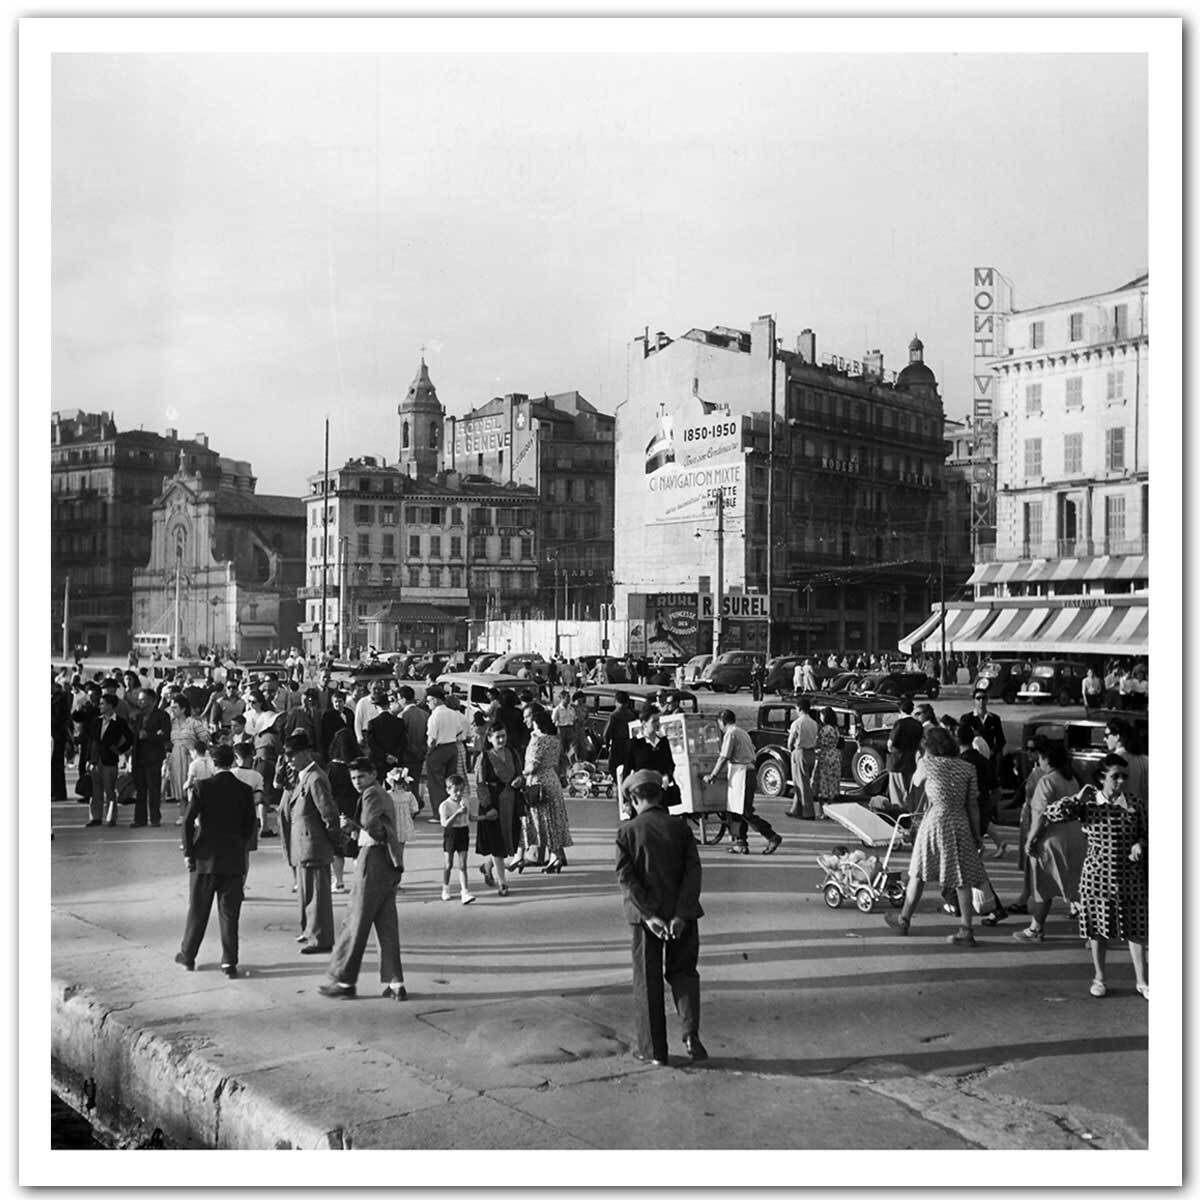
(878,720)
(991,669)
(1043,672)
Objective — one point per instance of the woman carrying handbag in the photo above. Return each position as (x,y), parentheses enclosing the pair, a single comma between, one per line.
(497,771)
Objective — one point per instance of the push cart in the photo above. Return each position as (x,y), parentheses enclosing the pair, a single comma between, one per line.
(858,877)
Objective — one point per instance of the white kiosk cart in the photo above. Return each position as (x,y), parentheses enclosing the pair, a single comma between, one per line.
(695,741)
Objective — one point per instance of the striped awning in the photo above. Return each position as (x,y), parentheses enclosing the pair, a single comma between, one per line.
(1041,629)
(1056,570)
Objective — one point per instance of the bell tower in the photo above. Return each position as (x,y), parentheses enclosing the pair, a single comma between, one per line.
(421,418)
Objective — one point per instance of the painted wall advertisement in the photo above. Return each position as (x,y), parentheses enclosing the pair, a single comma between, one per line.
(482,435)
(692,453)
(664,623)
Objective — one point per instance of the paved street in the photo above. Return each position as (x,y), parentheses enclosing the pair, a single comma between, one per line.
(825,1029)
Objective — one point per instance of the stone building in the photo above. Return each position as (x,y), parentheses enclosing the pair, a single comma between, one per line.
(1069,570)
(829,519)
(563,448)
(103,485)
(224,563)
(411,552)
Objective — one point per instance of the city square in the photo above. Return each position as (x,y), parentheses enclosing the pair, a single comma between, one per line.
(495,594)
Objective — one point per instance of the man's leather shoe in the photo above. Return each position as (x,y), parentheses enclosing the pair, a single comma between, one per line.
(230,970)
(654,1062)
(390,993)
(137,824)
(186,963)
(695,1048)
(316,949)
(91,824)
(335,991)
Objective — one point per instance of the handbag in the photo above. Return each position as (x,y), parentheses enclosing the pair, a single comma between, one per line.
(983,902)
(83,787)
(535,795)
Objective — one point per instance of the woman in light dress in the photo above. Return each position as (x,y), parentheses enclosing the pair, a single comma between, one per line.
(545,824)
(187,733)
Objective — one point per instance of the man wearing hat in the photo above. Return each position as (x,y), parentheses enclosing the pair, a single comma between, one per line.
(312,835)
(658,868)
(151,741)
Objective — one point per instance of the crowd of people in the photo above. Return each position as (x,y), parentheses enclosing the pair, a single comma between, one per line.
(339,772)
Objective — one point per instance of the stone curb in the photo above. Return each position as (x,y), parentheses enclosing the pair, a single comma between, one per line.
(195,1105)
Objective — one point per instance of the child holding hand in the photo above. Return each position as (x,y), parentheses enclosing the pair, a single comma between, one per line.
(456,835)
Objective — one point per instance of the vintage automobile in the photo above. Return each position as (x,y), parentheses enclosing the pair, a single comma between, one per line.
(693,669)
(474,688)
(599,701)
(897,684)
(729,671)
(1057,679)
(1084,737)
(615,668)
(1001,678)
(864,724)
(780,671)
(511,664)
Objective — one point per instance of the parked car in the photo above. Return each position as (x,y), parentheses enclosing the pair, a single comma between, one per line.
(780,671)
(430,666)
(1059,679)
(844,682)
(511,664)
(1084,738)
(729,671)
(864,724)
(599,701)
(482,661)
(693,670)
(474,688)
(662,672)
(1001,678)
(402,664)
(897,684)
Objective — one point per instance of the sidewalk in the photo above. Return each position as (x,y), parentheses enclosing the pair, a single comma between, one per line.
(825,1029)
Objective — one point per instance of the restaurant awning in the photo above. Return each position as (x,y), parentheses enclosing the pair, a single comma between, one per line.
(1069,627)
(1058,570)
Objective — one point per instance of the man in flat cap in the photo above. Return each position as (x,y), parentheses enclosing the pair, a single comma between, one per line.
(658,867)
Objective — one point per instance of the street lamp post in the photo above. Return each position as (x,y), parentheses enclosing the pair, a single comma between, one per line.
(554,556)
(717,498)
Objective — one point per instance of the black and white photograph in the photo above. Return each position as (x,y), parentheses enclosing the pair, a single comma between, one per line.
(511,477)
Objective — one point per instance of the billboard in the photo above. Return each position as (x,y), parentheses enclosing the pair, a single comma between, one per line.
(482,435)
(664,624)
(693,453)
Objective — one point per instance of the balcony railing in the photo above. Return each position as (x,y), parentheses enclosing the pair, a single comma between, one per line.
(1062,548)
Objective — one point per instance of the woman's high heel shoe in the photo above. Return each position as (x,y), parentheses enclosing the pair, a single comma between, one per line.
(554,868)
(517,866)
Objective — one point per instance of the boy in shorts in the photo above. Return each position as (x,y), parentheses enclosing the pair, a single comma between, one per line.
(456,836)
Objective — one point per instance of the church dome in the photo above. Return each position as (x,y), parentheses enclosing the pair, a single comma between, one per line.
(916,374)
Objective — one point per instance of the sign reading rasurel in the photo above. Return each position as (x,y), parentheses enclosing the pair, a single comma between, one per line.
(735,608)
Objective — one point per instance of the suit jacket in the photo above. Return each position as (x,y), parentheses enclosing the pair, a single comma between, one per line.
(658,868)
(904,740)
(313,820)
(151,750)
(415,720)
(377,816)
(332,720)
(110,743)
(224,808)
(386,738)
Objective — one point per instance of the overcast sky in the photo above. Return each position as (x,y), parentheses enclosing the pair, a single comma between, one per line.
(244,243)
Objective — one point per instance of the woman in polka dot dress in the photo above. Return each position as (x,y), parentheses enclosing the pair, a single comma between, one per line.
(1113,902)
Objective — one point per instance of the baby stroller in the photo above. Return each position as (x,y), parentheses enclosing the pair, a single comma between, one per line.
(590,779)
(858,876)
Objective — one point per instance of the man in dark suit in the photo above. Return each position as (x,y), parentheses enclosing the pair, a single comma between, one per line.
(658,868)
(313,833)
(151,741)
(385,738)
(108,740)
(223,807)
(333,718)
(903,743)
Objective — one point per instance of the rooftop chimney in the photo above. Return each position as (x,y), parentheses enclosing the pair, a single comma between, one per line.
(173,435)
(201,438)
(806,346)
(762,337)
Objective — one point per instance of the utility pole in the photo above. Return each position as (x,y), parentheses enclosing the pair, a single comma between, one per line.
(325,539)
(942,585)
(178,564)
(771,495)
(66,625)
(556,636)
(720,571)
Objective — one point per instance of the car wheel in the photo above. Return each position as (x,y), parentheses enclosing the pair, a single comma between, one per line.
(771,780)
(864,900)
(866,765)
(833,895)
(933,691)
(1009,696)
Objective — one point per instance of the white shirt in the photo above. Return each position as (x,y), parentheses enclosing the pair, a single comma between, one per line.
(444,727)
(256,721)
(802,733)
(253,778)
(365,711)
